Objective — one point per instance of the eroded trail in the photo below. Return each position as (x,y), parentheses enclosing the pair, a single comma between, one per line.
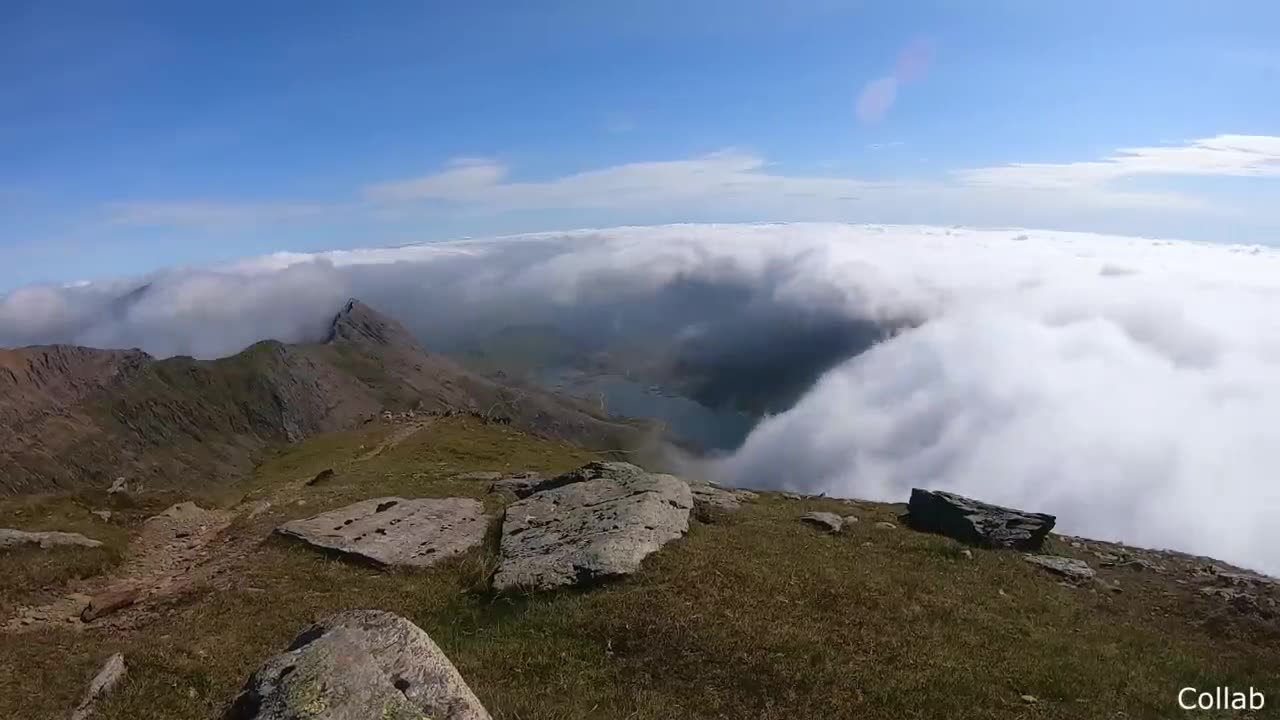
(182,550)
(167,558)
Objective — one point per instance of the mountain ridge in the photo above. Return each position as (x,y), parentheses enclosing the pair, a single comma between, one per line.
(76,418)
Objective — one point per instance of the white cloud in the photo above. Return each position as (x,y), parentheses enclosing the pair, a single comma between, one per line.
(1127,385)
(742,185)
(1222,155)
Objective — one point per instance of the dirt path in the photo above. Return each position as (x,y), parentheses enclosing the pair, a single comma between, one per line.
(166,558)
(176,552)
(398,436)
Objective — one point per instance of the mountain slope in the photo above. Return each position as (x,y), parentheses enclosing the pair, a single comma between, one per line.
(73,418)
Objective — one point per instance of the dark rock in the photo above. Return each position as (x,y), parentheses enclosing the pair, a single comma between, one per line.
(321,476)
(977,523)
(358,665)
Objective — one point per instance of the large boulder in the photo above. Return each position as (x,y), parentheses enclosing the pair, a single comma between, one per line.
(17,538)
(977,523)
(599,521)
(392,531)
(358,665)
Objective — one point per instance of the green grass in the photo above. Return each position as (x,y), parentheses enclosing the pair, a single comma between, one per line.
(754,616)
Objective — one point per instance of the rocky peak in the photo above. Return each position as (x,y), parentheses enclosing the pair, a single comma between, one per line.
(359,323)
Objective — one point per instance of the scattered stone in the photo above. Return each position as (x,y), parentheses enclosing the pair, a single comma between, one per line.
(109,602)
(792,496)
(1030,699)
(1070,568)
(120,486)
(599,521)
(103,515)
(109,675)
(522,485)
(15,538)
(825,520)
(185,513)
(258,507)
(392,531)
(484,476)
(967,554)
(886,525)
(321,476)
(358,665)
(850,519)
(977,523)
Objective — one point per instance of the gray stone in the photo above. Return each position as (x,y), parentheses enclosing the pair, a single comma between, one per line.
(103,515)
(599,522)
(711,498)
(977,523)
(792,496)
(358,665)
(16,538)
(522,485)
(850,519)
(825,520)
(1070,568)
(883,525)
(392,531)
(121,485)
(110,675)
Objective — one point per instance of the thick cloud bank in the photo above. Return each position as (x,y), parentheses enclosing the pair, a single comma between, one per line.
(1131,386)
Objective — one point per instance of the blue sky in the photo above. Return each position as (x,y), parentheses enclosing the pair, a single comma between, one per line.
(135,135)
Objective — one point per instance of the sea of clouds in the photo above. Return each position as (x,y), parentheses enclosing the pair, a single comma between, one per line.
(1130,386)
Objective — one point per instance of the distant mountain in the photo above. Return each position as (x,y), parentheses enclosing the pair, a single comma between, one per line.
(74,417)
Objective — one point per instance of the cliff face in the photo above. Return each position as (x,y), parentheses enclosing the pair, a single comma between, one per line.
(74,417)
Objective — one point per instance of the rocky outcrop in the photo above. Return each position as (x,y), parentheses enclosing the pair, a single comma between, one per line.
(17,538)
(358,665)
(975,522)
(110,675)
(392,531)
(828,521)
(1069,568)
(599,521)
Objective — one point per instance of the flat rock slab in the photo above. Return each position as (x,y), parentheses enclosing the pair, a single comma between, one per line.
(710,498)
(828,521)
(1070,568)
(358,665)
(392,531)
(599,521)
(975,522)
(17,538)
